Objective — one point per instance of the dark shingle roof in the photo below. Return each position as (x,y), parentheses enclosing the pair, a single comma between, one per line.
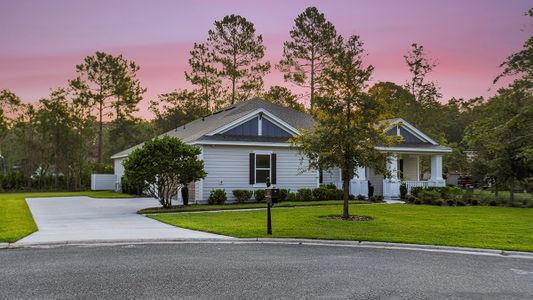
(198,128)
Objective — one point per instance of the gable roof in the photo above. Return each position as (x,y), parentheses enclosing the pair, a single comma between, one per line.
(200,129)
(205,130)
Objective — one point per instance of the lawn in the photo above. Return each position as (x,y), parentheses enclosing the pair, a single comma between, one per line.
(16,220)
(473,226)
(160,210)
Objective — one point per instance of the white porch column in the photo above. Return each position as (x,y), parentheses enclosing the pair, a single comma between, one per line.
(436,170)
(392,167)
(391,185)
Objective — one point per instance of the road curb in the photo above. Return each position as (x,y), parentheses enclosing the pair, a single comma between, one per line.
(309,242)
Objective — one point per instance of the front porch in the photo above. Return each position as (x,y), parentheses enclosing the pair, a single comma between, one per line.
(403,167)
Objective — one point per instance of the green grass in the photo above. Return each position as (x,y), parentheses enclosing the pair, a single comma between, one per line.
(160,210)
(16,220)
(474,226)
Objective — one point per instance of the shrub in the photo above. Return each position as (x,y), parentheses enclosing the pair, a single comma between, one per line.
(493,203)
(429,196)
(321,193)
(217,196)
(305,195)
(403,190)
(131,188)
(242,195)
(450,202)
(259,195)
(411,199)
(418,202)
(376,199)
(438,202)
(292,197)
(460,203)
(283,194)
(361,197)
(330,186)
(468,196)
(416,190)
(474,202)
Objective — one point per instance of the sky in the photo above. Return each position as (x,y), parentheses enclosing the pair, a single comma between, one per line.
(42,41)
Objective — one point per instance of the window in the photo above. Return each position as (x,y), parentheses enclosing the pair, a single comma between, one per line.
(262,168)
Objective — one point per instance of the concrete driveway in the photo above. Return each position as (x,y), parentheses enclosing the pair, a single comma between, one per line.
(75,219)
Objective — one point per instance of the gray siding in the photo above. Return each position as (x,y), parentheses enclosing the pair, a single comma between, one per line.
(408,137)
(269,129)
(248,128)
(227,168)
(331,176)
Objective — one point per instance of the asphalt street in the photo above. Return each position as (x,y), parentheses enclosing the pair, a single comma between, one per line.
(252,271)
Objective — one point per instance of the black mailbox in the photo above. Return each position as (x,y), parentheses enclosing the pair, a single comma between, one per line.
(272,195)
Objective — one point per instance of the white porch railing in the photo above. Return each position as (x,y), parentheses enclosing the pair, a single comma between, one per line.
(428,183)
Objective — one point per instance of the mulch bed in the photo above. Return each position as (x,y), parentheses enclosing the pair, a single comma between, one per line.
(351,218)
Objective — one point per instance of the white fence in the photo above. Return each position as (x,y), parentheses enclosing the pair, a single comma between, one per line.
(103,182)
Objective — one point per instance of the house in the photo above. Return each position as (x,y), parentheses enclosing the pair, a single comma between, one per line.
(247,142)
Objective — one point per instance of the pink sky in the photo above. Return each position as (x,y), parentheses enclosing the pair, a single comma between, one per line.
(42,41)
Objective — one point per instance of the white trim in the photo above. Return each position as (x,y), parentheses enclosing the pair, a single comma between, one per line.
(411,129)
(232,143)
(265,152)
(415,150)
(259,125)
(250,116)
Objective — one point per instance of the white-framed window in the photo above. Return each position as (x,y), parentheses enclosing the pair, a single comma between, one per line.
(263,167)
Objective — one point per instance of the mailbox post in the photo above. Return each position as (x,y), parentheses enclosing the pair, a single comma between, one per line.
(271,196)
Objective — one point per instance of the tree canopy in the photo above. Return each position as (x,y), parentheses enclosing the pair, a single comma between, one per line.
(164,166)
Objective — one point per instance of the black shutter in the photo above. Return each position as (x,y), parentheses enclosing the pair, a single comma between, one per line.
(273,168)
(320,175)
(252,168)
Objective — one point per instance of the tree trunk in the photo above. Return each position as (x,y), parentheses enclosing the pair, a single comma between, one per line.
(233,77)
(511,192)
(312,101)
(100,132)
(185,195)
(346,197)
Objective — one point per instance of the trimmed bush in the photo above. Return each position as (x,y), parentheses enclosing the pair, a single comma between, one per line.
(320,194)
(283,194)
(259,195)
(361,198)
(416,190)
(428,196)
(411,199)
(217,196)
(438,202)
(418,202)
(242,195)
(450,202)
(291,197)
(376,199)
(493,203)
(460,203)
(305,195)
(474,202)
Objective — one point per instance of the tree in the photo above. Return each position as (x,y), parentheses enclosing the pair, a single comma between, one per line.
(204,75)
(109,85)
(239,51)
(284,97)
(313,42)
(9,103)
(502,137)
(164,165)
(348,120)
(177,108)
